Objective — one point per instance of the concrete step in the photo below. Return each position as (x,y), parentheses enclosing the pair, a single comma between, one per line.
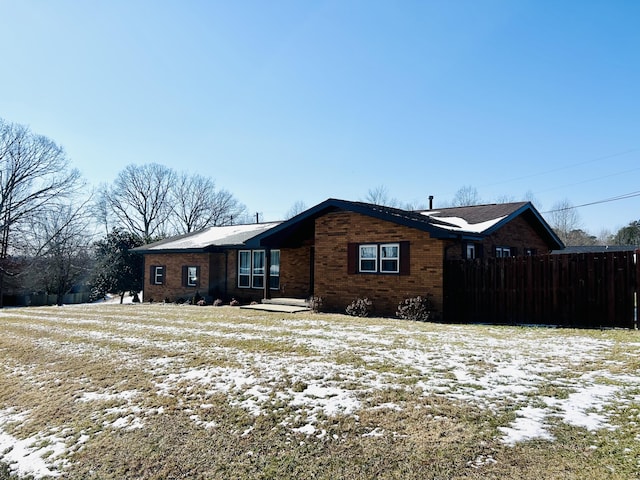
(273,307)
(294,302)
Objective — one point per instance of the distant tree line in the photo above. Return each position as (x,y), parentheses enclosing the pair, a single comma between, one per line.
(57,237)
(563,217)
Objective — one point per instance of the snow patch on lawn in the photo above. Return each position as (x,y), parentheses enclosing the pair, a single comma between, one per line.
(492,371)
(41,455)
(529,424)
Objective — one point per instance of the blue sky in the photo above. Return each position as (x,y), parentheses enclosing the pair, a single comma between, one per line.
(287,101)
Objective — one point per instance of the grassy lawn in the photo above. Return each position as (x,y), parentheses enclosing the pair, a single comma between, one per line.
(166,391)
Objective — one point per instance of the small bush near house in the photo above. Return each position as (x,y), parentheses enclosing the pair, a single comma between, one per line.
(418,308)
(218,303)
(197,298)
(315,304)
(360,307)
(234,302)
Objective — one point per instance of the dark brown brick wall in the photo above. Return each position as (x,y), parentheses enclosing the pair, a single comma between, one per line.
(338,288)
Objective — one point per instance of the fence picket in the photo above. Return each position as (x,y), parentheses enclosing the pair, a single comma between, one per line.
(593,290)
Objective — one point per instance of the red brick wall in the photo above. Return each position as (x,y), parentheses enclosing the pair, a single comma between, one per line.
(294,276)
(172,288)
(338,288)
(219,276)
(295,273)
(518,234)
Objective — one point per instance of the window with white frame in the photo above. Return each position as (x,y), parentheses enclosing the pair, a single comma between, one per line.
(257,269)
(192,276)
(390,258)
(368,258)
(471,251)
(244,269)
(252,267)
(157,275)
(502,252)
(274,270)
(379,258)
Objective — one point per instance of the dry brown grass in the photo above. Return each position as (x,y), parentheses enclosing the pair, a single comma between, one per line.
(159,392)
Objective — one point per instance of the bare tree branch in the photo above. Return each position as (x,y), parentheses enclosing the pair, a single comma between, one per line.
(34,173)
(466,196)
(139,198)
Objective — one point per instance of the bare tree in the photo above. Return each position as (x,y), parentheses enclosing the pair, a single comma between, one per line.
(295,209)
(380,196)
(530,197)
(191,199)
(34,175)
(197,204)
(565,219)
(466,196)
(100,209)
(58,243)
(227,210)
(140,199)
(605,237)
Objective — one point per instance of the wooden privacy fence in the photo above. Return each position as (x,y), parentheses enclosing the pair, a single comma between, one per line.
(590,290)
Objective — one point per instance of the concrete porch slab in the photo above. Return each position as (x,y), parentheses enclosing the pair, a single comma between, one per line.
(272,307)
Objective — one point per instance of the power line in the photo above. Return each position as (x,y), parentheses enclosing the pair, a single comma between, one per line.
(537,174)
(566,167)
(586,181)
(597,202)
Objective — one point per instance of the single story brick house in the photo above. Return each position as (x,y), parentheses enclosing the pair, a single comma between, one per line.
(341,250)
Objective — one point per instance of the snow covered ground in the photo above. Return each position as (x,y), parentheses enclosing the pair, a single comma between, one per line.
(319,366)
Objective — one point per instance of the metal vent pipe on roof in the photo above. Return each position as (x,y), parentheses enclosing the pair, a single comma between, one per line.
(430,202)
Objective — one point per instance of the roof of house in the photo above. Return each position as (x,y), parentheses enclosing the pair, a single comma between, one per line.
(207,239)
(477,218)
(469,223)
